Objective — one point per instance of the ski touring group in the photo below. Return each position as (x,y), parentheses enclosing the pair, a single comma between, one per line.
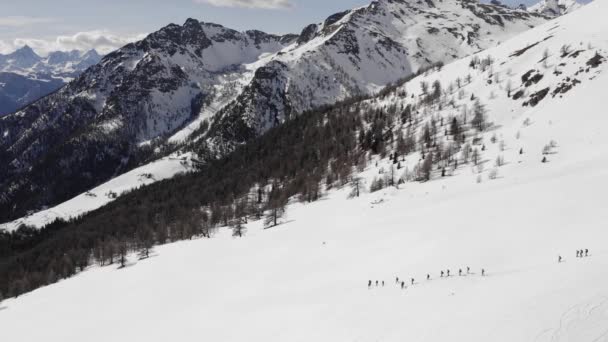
(581,253)
(411,282)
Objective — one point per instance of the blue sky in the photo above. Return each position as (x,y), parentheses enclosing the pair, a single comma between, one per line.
(106,24)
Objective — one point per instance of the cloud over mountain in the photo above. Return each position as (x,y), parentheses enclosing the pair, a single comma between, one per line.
(263,4)
(101,40)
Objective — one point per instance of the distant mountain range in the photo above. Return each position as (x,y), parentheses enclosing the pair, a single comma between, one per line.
(25,76)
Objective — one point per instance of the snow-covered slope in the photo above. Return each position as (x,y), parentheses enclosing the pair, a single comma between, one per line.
(307,278)
(164,168)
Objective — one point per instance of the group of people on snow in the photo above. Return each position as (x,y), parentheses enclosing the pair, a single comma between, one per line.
(581,253)
(412,281)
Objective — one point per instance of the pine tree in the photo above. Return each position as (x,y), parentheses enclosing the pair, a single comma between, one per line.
(240,209)
(238,229)
(479,113)
(436,90)
(122,252)
(275,208)
(455,129)
(355,184)
(424,86)
(145,238)
(475,156)
(427,167)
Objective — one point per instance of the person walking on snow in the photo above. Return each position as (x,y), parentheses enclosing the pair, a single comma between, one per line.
(483,272)
(369,285)
(428,277)
(441,274)
(586,252)
(402,285)
(397,280)
(468,270)
(412,281)
(383,283)
(460,272)
(559,259)
(448,273)
(376,283)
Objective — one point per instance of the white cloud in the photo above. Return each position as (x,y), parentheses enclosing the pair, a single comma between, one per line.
(22,21)
(263,4)
(102,41)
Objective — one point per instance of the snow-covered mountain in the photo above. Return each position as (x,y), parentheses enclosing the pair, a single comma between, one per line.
(358,52)
(26,77)
(21,59)
(509,200)
(99,125)
(58,64)
(555,8)
(170,87)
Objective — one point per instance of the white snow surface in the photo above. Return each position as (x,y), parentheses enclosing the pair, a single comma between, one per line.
(164,168)
(306,280)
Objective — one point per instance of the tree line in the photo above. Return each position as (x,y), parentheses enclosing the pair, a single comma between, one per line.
(299,160)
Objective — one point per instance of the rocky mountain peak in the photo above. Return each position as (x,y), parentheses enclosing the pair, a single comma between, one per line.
(555,8)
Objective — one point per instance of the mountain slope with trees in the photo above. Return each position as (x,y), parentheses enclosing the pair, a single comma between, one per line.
(474,119)
(368,260)
(207,88)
